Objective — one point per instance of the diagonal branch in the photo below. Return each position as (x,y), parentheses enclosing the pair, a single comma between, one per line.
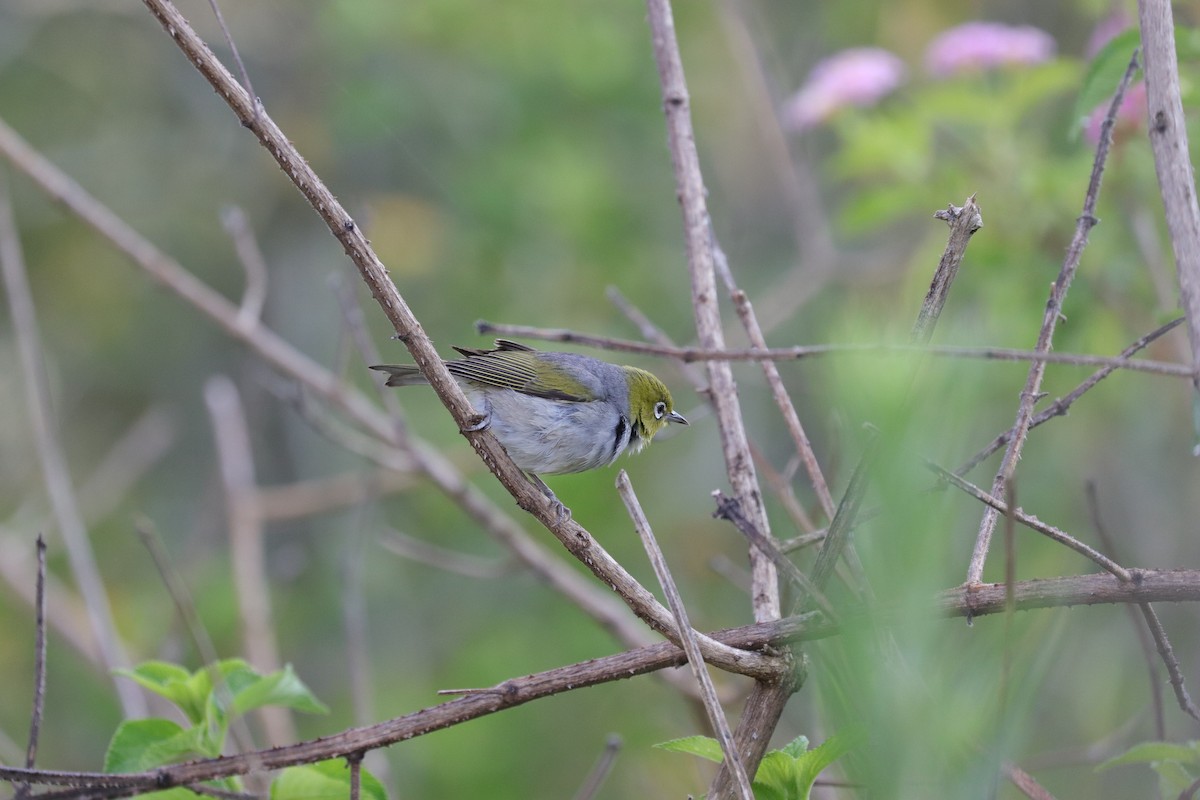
(1058,293)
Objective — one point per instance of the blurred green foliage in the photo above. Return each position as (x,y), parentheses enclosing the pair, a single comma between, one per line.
(508,162)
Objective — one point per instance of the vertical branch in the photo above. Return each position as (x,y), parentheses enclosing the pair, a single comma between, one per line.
(1058,293)
(1172,162)
(53,462)
(689,186)
(39,664)
(39,668)
(246,542)
(766,700)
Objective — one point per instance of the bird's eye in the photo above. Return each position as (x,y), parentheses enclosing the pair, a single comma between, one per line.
(660,409)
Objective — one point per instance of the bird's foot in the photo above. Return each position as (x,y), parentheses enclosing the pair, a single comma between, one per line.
(561,512)
(479,422)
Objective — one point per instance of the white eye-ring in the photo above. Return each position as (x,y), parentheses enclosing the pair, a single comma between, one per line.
(660,409)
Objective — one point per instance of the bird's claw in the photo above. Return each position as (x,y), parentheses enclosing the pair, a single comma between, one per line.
(562,514)
(479,422)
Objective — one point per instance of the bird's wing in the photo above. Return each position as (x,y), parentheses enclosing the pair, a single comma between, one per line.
(520,369)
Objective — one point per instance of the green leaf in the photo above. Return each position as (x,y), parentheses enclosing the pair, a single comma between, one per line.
(1173,778)
(172,682)
(1104,74)
(214,725)
(280,688)
(325,780)
(703,746)
(796,747)
(809,765)
(1149,752)
(142,744)
(775,777)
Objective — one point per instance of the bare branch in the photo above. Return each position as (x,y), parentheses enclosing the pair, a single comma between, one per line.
(745,312)
(798,352)
(1032,522)
(39,669)
(1058,294)
(689,189)
(978,600)
(1169,142)
(1060,406)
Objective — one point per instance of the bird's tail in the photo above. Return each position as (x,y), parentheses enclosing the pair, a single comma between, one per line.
(401,374)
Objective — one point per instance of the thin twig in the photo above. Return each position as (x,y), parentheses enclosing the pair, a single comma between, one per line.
(1145,641)
(65,611)
(177,589)
(791,419)
(1058,294)
(728,508)
(687,636)
(595,779)
(53,461)
(1174,673)
(39,668)
(181,597)
(1028,520)
(237,57)
(245,244)
(652,333)
(798,352)
(1060,406)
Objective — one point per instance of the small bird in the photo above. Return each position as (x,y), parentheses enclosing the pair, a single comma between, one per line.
(556,412)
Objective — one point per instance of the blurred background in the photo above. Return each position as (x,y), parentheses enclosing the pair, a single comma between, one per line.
(508,162)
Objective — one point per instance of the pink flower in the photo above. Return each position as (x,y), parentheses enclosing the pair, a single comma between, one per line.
(1130,114)
(860,76)
(976,46)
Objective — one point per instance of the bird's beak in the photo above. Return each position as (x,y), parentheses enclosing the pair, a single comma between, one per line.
(675,416)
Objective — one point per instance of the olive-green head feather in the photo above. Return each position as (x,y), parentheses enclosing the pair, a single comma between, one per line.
(650,406)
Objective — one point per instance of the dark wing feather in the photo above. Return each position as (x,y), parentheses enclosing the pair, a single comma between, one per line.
(514,366)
